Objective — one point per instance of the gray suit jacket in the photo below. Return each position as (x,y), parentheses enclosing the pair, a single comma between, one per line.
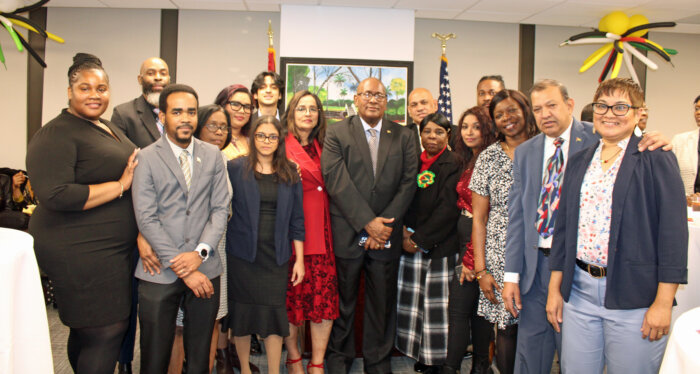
(522,237)
(356,196)
(172,219)
(135,118)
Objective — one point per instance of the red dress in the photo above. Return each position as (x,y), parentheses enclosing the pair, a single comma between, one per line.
(464,201)
(316,298)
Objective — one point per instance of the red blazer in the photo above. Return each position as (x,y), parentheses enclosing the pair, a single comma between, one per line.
(316,211)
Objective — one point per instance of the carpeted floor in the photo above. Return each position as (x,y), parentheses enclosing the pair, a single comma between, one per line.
(59,336)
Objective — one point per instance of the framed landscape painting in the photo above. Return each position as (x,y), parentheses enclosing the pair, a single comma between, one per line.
(335,82)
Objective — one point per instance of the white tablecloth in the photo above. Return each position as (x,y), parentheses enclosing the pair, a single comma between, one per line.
(688,295)
(682,352)
(25,346)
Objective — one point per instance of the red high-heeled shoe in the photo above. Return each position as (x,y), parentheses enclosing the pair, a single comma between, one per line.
(310,365)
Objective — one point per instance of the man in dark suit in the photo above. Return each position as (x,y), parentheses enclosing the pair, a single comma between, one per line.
(181,206)
(369,166)
(421,103)
(138,118)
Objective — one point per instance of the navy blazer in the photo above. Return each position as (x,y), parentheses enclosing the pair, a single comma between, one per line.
(648,229)
(242,232)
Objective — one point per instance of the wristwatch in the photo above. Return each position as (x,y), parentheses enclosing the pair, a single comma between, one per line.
(203,253)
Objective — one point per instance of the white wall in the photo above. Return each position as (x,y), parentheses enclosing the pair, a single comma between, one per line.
(121,38)
(671,90)
(219,48)
(13,105)
(481,48)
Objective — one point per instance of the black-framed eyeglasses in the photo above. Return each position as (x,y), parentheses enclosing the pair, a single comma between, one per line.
(235,105)
(617,109)
(369,95)
(213,127)
(272,138)
(303,109)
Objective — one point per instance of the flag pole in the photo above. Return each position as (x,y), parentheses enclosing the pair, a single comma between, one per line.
(270,48)
(445,98)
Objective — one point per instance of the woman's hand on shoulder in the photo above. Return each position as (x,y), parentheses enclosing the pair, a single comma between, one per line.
(128,174)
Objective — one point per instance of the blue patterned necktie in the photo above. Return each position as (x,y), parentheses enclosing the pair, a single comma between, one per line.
(549,195)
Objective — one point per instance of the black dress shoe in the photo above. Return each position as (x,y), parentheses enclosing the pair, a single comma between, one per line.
(446,369)
(124,368)
(420,367)
(255,348)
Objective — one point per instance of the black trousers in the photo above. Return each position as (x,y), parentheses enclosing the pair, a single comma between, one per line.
(464,301)
(158,304)
(379,327)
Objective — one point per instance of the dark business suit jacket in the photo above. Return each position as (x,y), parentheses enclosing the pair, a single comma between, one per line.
(433,213)
(242,232)
(357,196)
(648,232)
(522,237)
(136,120)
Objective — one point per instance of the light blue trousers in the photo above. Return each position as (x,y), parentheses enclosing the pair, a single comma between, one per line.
(594,337)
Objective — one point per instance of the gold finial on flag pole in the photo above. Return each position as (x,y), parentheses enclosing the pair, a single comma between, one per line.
(270,33)
(443,39)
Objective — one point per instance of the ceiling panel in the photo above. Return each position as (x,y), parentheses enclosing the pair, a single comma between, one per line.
(263,7)
(360,3)
(435,4)
(437,14)
(210,4)
(521,7)
(473,15)
(569,14)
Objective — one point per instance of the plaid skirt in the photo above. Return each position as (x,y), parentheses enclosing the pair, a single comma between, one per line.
(421,317)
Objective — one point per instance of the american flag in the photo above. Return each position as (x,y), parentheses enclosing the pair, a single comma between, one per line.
(445,98)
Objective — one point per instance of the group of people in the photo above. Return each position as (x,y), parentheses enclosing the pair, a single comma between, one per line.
(241,219)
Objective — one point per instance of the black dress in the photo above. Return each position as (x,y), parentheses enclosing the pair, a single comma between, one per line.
(86,253)
(258,290)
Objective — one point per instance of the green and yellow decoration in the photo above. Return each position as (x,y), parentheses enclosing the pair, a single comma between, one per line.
(425,179)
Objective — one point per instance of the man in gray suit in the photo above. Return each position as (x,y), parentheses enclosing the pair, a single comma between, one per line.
(181,206)
(529,239)
(137,118)
(369,164)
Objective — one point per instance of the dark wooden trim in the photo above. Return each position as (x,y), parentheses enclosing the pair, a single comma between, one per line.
(168,39)
(526,60)
(35,75)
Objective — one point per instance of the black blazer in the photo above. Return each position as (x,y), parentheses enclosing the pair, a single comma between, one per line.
(433,214)
(242,232)
(648,232)
(357,197)
(136,120)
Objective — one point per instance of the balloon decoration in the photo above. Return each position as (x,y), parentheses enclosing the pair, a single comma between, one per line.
(9,17)
(619,34)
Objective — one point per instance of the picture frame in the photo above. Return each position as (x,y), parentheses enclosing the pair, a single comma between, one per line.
(335,82)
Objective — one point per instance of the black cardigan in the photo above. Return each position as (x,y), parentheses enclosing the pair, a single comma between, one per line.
(433,212)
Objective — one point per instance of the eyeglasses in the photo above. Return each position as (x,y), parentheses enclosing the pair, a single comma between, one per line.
(617,109)
(213,127)
(303,109)
(369,95)
(235,105)
(272,138)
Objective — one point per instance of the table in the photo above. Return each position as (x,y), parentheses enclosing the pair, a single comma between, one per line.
(25,345)
(682,349)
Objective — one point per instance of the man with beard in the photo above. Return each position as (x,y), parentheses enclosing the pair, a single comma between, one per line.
(138,119)
(181,200)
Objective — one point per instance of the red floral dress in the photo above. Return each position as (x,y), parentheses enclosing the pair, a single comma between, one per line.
(316,298)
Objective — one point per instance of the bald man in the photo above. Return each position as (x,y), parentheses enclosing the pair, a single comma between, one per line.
(420,104)
(138,118)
